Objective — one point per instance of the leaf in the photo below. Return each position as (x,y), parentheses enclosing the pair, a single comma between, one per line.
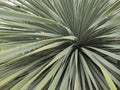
(87,70)
(113,55)
(10,53)
(12,15)
(6,4)
(77,78)
(112,7)
(25,80)
(107,77)
(14,75)
(58,56)
(49,75)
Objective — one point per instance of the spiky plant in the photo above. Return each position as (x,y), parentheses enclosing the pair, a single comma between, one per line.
(59,45)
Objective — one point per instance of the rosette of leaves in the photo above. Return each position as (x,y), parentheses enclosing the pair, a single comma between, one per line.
(59,45)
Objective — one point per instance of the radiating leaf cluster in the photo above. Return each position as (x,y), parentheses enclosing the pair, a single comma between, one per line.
(59,45)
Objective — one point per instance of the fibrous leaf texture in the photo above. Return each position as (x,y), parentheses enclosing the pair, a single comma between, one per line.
(59,45)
